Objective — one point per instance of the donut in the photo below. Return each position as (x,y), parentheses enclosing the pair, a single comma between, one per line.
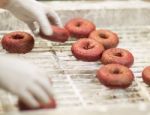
(23,106)
(87,49)
(59,35)
(107,38)
(115,76)
(18,42)
(146,75)
(117,55)
(79,27)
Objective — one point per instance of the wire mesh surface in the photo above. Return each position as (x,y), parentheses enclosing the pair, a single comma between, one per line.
(75,83)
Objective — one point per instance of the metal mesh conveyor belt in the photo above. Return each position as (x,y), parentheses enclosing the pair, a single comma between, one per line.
(74,82)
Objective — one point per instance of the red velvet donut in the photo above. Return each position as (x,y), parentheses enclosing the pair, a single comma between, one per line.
(115,76)
(117,55)
(80,28)
(23,106)
(146,75)
(18,42)
(87,49)
(59,35)
(105,37)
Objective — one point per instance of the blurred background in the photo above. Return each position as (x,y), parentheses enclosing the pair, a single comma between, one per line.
(104,13)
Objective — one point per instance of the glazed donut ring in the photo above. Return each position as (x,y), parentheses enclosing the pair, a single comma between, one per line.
(24,107)
(146,75)
(105,37)
(115,76)
(117,55)
(87,49)
(80,28)
(59,35)
(18,42)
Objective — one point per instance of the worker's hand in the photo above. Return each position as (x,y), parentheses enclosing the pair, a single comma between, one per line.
(24,80)
(31,11)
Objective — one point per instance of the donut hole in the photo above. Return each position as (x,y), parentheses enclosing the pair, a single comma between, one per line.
(101,35)
(88,46)
(78,24)
(118,54)
(17,37)
(115,71)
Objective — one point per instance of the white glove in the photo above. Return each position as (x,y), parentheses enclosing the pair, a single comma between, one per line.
(31,11)
(24,80)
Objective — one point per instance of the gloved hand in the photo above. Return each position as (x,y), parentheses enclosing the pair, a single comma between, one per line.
(24,80)
(31,11)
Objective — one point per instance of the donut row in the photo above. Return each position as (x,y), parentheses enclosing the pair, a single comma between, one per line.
(93,45)
(100,46)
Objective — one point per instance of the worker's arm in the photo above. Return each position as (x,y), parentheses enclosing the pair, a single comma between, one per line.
(25,81)
(31,11)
